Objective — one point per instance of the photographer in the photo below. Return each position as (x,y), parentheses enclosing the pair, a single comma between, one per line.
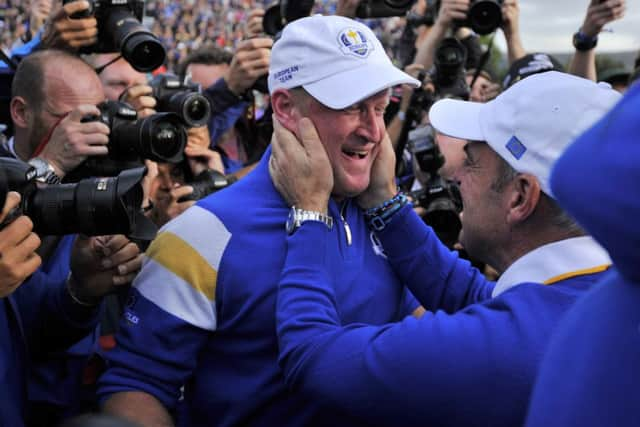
(228,80)
(52,92)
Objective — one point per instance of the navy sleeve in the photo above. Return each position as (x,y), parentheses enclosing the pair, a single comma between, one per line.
(437,276)
(50,318)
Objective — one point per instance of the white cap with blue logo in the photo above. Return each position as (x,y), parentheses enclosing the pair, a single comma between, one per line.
(530,124)
(337,60)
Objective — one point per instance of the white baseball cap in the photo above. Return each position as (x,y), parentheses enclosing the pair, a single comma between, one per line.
(530,124)
(337,60)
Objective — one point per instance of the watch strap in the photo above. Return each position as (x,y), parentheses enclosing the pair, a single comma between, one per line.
(300,216)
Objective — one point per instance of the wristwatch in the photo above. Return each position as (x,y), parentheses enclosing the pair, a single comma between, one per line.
(583,42)
(44,171)
(298,216)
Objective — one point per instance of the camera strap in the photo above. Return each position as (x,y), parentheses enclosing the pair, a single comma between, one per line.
(46,139)
(483,61)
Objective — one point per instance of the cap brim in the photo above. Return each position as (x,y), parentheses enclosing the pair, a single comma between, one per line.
(344,89)
(458,119)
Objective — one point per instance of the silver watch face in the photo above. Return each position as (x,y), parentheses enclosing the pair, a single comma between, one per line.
(291,221)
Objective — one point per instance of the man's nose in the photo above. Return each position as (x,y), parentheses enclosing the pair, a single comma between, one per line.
(371,126)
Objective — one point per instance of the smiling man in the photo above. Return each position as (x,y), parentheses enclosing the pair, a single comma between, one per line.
(202,312)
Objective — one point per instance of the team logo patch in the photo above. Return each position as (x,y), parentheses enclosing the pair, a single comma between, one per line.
(515,147)
(354,42)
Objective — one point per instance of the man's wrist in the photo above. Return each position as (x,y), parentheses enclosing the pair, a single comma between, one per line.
(78,297)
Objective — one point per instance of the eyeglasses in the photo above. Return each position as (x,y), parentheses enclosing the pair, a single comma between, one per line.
(101,68)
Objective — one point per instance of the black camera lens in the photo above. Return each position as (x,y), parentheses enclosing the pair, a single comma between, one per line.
(165,140)
(485,16)
(143,51)
(139,46)
(197,110)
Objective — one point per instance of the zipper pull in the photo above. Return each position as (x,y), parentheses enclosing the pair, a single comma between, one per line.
(347,229)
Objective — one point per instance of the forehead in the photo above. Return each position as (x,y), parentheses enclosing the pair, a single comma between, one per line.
(206,74)
(66,89)
(122,70)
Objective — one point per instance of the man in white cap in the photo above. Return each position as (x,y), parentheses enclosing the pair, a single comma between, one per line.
(202,311)
(472,358)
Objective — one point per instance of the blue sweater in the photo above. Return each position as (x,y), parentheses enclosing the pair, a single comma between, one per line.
(37,319)
(202,313)
(590,375)
(470,363)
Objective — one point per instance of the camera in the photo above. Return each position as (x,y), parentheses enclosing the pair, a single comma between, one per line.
(383,8)
(448,73)
(206,182)
(95,206)
(183,98)
(483,17)
(160,137)
(120,29)
(439,198)
(280,14)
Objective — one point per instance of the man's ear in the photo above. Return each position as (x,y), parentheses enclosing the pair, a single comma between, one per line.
(285,109)
(19,112)
(523,199)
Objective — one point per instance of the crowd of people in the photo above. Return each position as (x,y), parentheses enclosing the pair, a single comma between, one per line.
(354,223)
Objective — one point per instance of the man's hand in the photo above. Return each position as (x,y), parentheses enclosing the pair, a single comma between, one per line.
(250,61)
(64,32)
(18,259)
(300,168)
(347,8)
(599,14)
(382,185)
(39,11)
(452,10)
(202,158)
(141,99)
(254,26)
(100,264)
(72,141)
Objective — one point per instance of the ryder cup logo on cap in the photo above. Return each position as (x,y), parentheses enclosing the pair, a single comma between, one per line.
(337,60)
(354,42)
(530,124)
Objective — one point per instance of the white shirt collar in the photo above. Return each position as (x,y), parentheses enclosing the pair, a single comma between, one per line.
(552,260)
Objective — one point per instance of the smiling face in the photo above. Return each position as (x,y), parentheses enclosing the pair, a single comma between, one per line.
(351,138)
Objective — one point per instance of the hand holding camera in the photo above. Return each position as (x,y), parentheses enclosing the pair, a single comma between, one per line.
(100,264)
(73,140)
(64,33)
(140,97)
(18,243)
(451,11)
(250,62)
(347,8)
(254,26)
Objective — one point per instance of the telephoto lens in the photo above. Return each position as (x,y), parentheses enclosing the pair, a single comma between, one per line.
(383,8)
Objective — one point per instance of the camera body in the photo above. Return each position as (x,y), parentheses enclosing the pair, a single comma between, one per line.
(183,98)
(94,206)
(160,137)
(206,182)
(383,8)
(120,29)
(448,73)
(280,14)
(439,198)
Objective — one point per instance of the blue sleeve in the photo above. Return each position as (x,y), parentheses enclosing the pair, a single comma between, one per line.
(50,318)
(156,352)
(27,48)
(437,276)
(417,372)
(226,108)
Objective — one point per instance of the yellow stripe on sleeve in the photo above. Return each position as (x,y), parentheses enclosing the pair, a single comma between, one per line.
(184,261)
